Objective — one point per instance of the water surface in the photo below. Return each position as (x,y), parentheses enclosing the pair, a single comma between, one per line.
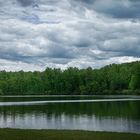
(95,113)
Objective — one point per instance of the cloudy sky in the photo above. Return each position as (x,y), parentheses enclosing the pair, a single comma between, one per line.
(35,34)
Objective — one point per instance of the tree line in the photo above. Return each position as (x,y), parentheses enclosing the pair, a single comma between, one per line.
(111,79)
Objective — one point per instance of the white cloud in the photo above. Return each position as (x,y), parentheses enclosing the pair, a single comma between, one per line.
(51,33)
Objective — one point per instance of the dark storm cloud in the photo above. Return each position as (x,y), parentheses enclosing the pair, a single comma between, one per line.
(26,2)
(120,9)
(114,8)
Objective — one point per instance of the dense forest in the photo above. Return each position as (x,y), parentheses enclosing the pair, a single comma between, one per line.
(111,79)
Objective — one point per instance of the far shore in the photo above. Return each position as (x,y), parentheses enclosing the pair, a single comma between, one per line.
(73,94)
(63,95)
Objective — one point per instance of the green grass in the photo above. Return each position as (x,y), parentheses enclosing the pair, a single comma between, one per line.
(18,134)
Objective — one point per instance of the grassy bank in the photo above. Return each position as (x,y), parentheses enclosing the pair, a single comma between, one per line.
(17,134)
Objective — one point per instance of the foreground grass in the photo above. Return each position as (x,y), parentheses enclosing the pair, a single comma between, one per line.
(18,134)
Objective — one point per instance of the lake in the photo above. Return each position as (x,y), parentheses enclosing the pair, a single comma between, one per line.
(94,113)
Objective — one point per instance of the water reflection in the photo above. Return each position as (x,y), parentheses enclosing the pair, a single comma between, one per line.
(63,101)
(98,116)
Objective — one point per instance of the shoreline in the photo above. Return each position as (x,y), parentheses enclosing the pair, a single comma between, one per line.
(65,101)
(100,93)
(63,95)
(32,134)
